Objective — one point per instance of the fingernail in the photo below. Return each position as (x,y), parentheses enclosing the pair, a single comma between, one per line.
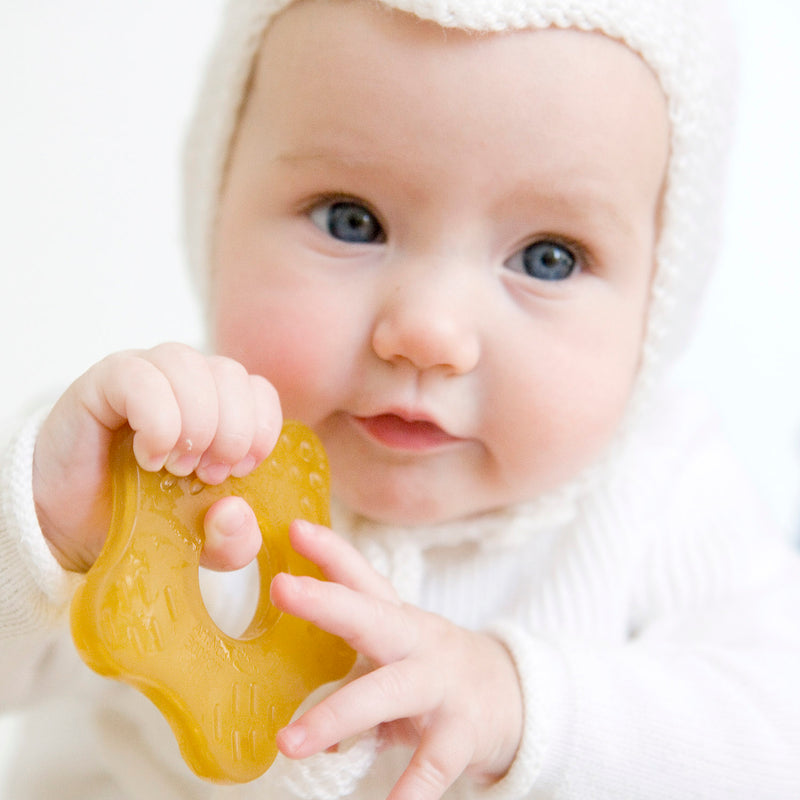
(152,463)
(304,527)
(181,464)
(293,737)
(244,467)
(288,581)
(213,473)
(229,519)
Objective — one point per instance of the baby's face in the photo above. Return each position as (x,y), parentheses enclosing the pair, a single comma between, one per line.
(439,249)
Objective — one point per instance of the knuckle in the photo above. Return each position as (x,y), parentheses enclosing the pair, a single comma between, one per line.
(174,351)
(174,359)
(328,719)
(126,363)
(431,775)
(381,616)
(265,392)
(394,683)
(411,624)
(226,368)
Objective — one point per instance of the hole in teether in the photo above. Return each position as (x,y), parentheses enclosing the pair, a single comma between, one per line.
(231,598)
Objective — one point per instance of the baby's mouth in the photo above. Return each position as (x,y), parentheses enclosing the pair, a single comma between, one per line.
(396,432)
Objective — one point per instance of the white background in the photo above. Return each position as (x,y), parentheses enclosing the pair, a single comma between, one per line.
(94,98)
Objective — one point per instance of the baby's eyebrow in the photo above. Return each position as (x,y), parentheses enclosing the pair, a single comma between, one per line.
(570,198)
(298,157)
(359,164)
(328,156)
(352,155)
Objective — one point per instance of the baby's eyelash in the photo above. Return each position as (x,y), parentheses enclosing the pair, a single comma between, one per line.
(327,198)
(580,250)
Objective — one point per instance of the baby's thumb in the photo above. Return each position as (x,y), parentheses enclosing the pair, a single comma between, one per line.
(233,538)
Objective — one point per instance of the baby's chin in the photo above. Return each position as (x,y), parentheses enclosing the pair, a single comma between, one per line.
(443,492)
(395,510)
(414,511)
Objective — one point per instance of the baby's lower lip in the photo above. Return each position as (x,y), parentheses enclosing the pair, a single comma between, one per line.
(393,431)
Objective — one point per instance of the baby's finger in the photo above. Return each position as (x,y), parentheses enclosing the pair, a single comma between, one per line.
(339,560)
(195,392)
(267,419)
(232,535)
(127,387)
(444,752)
(236,423)
(383,631)
(401,690)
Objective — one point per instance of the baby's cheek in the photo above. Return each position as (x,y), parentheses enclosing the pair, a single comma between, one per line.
(300,370)
(564,424)
(587,433)
(295,356)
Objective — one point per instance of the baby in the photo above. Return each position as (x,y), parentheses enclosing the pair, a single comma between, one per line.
(462,241)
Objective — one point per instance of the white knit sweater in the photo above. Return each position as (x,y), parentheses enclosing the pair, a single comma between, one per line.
(654,621)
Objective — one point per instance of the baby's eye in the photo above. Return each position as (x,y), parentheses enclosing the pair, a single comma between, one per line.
(347,221)
(544,260)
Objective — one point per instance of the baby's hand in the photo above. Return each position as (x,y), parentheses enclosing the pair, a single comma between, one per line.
(190,413)
(452,694)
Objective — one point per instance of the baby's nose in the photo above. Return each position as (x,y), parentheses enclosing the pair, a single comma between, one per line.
(430,323)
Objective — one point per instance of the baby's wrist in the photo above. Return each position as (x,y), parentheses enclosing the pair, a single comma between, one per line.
(506,696)
(30,568)
(61,552)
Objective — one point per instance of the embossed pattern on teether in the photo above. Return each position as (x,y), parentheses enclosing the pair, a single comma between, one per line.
(140,617)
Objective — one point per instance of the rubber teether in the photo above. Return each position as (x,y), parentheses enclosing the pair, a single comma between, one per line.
(140,617)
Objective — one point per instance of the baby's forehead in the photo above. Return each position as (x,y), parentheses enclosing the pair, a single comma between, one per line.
(402,62)
(320,33)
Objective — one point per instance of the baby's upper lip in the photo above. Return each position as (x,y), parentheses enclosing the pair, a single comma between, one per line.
(407,415)
(406,428)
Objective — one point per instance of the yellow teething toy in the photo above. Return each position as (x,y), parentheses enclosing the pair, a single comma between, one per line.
(139,617)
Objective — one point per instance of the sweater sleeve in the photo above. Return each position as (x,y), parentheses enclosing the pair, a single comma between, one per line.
(34,590)
(699,695)
(660,720)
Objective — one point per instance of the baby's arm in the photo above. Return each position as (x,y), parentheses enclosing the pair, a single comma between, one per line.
(190,413)
(450,693)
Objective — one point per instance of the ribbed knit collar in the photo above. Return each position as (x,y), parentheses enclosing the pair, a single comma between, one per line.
(503,527)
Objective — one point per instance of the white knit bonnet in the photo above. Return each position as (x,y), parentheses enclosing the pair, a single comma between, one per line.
(687,44)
